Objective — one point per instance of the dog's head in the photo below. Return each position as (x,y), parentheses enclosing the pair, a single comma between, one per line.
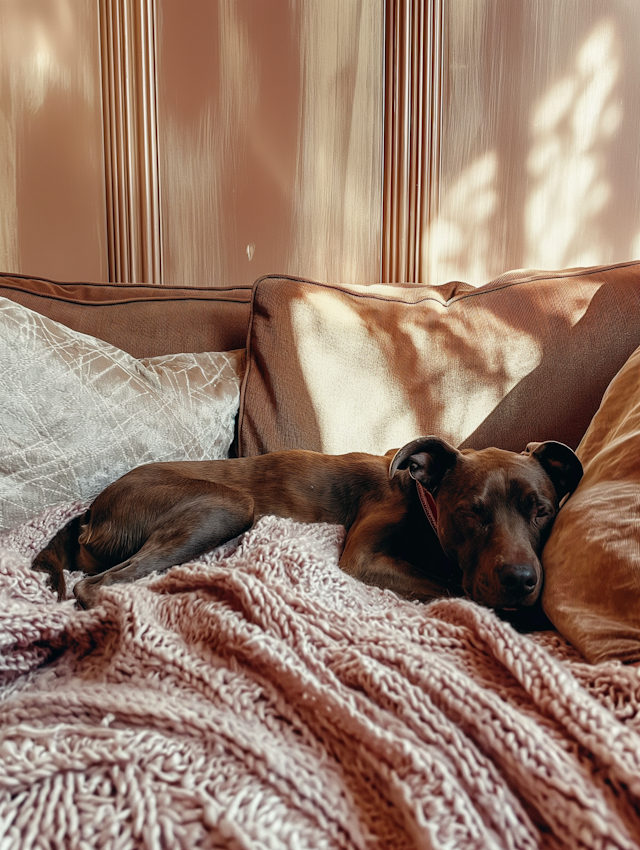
(495,511)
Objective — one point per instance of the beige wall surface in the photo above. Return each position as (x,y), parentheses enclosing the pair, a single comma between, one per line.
(270,139)
(268,135)
(52,211)
(268,144)
(539,140)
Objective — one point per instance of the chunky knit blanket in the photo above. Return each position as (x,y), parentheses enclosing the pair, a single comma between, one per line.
(260,698)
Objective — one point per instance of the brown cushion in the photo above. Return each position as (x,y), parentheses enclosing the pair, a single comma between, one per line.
(592,558)
(145,320)
(526,357)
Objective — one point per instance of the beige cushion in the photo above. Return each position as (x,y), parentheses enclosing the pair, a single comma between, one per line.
(592,558)
(526,357)
(77,413)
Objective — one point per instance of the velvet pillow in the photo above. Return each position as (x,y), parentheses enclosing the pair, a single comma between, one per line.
(368,368)
(592,558)
(77,413)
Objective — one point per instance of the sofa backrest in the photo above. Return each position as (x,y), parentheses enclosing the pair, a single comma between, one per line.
(340,368)
(145,320)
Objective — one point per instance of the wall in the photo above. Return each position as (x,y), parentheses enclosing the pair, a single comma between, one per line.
(52,211)
(270,139)
(539,155)
(517,145)
(191,143)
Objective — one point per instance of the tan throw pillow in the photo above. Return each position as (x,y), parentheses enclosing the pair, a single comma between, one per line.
(592,558)
(76,412)
(369,368)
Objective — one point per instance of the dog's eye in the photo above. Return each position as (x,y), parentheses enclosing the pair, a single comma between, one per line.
(534,508)
(541,513)
(477,516)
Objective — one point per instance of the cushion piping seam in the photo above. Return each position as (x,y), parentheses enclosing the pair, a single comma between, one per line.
(7,277)
(133,300)
(456,298)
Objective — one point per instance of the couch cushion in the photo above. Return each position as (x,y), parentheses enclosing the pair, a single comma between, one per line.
(526,357)
(77,413)
(143,319)
(592,558)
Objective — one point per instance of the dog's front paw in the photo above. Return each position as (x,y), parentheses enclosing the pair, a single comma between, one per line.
(86,591)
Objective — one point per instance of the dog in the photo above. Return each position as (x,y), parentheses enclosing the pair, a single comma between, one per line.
(425,521)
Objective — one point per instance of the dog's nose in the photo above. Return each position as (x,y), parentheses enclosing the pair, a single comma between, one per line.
(519,580)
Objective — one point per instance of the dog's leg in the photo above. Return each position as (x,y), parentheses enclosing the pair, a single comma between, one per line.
(366,558)
(58,555)
(390,573)
(185,531)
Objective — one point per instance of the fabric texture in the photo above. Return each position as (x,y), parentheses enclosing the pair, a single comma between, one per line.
(77,413)
(145,320)
(592,558)
(368,368)
(259,697)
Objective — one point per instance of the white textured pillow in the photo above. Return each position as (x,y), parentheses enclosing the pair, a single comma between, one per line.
(76,413)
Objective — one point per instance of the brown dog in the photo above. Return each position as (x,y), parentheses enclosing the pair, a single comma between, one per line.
(494,511)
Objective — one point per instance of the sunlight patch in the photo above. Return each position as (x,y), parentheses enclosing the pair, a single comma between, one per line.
(333,344)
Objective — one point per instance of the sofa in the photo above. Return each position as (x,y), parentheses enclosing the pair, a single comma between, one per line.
(258,696)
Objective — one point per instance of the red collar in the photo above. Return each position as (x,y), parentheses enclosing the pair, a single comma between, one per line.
(431,512)
(428,505)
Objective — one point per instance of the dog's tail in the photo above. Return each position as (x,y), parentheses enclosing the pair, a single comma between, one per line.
(60,554)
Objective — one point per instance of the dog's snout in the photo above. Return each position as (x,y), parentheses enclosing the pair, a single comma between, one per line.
(519,580)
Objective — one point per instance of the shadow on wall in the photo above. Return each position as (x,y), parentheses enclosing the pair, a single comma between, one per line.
(573,128)
(551,183)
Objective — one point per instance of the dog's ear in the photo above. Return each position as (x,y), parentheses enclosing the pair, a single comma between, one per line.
(530,447)
(560,463)
(428,458)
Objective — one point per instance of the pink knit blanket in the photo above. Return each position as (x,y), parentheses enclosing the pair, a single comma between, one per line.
(260,698)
